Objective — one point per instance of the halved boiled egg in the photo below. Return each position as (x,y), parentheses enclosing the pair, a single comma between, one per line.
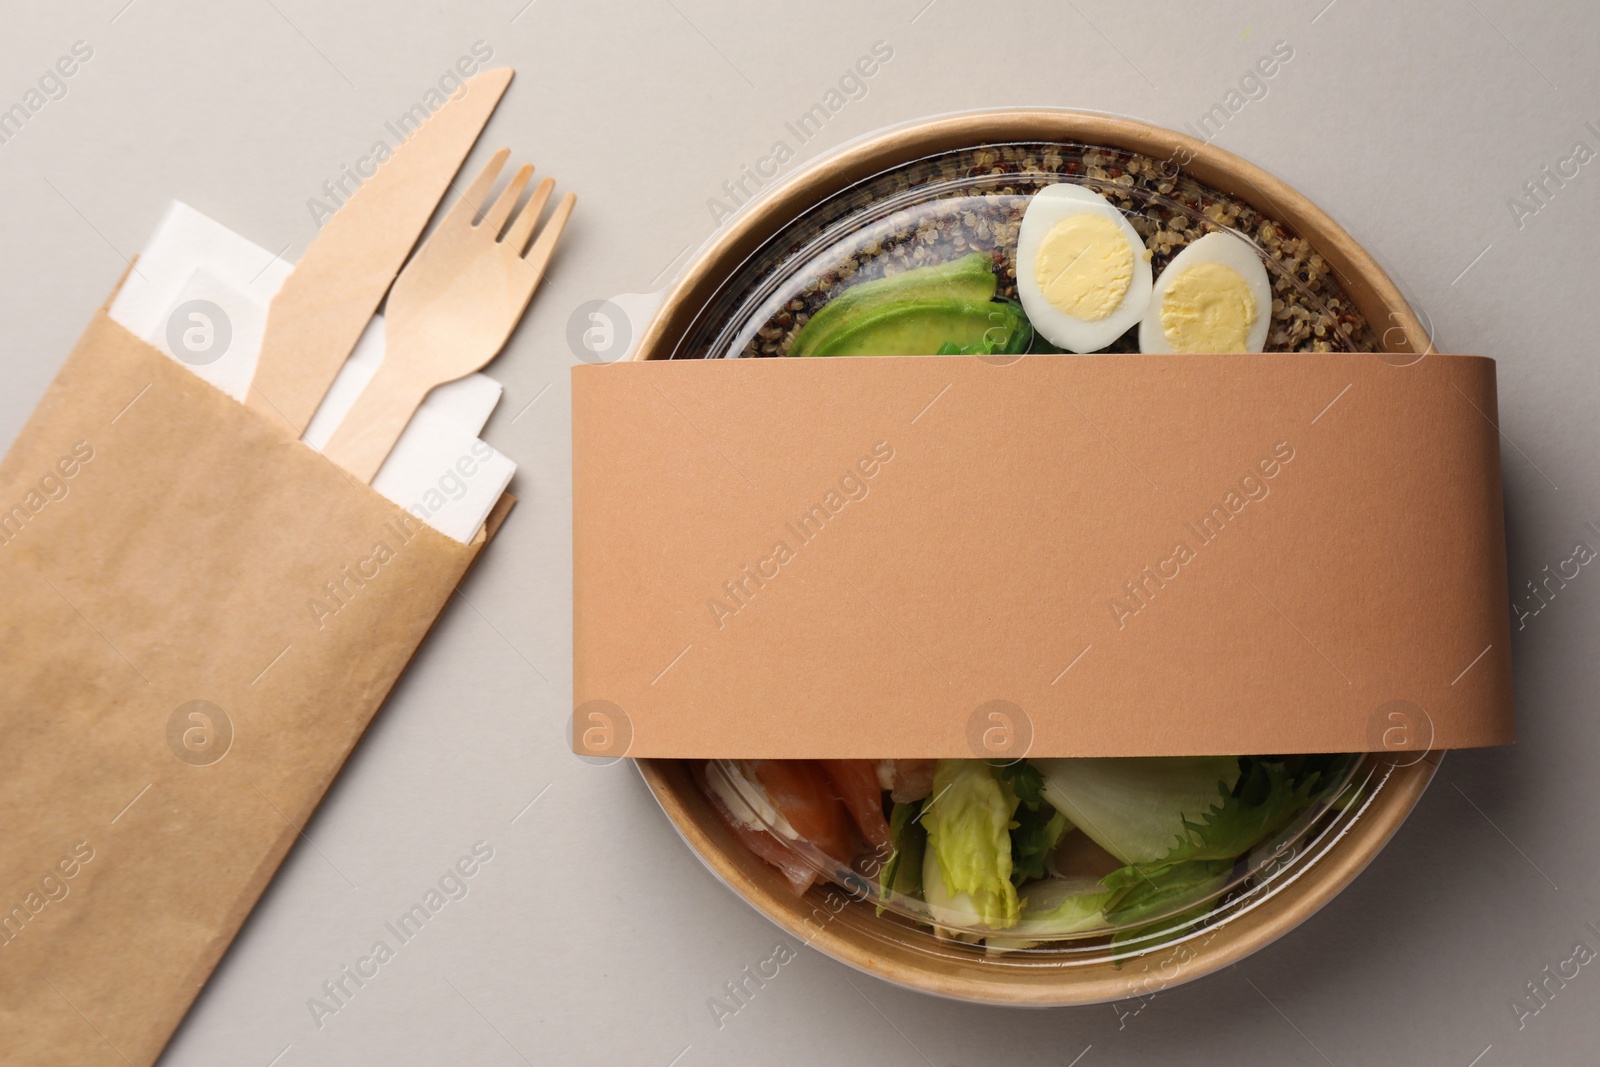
(1213,297)
(1083,273)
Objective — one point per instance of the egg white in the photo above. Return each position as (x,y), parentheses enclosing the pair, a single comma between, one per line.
(1049,206)
(1225,250)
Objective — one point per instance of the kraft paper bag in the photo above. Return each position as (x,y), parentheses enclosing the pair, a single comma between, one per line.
(201,616)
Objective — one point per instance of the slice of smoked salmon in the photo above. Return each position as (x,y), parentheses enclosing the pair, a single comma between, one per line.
(803,793)
(795,870)
(857,783)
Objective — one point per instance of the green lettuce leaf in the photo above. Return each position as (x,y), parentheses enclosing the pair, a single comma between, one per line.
(1331,770)
(1266,800)
(902,871)
(1058,906)
(1055,908)
(1026,783)
(1139,939)
(1145,892)
(1038,826)
(1137,808)
(1036,833)
(967,870)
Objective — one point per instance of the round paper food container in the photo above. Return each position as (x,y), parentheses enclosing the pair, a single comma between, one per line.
(928,192)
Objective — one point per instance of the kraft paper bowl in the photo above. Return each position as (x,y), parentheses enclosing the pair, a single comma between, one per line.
(828,917)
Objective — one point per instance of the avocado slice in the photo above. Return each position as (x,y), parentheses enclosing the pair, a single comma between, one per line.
(933,327)
(970,279)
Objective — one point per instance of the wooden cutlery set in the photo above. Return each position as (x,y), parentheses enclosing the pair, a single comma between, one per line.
(204,614)
(450,310)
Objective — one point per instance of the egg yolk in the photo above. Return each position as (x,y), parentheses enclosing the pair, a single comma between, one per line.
(1208,308)
(1085,266)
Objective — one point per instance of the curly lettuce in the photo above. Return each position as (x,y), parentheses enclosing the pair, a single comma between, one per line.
(1137,808)
(1265,799)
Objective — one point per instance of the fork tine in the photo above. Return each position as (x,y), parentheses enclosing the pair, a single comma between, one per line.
(545,245)
(522,226)
(496,216)
(477,193)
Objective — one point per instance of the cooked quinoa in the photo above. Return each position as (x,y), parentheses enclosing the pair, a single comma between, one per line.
(972,200)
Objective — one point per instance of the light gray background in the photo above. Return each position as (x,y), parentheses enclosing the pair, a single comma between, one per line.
(593,935)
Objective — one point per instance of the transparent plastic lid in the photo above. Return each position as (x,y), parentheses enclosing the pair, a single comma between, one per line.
(1070,885)
(1129,870)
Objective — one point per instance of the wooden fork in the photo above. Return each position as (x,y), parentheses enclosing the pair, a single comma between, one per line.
(451,309)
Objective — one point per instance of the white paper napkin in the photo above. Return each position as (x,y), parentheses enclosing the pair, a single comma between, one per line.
(213,328)
(183,241)
(444,475)
(200,295)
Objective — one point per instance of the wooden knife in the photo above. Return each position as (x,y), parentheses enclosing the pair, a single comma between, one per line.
(316,318)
